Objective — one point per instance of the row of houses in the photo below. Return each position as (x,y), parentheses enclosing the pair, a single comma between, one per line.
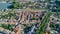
(24,17)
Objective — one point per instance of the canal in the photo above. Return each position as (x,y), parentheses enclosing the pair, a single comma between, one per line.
(5,5)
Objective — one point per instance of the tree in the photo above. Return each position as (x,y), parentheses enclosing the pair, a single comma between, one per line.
(8,26)
(4,26)
(15,5)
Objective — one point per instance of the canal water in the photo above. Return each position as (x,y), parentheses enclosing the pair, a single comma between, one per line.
(4,5)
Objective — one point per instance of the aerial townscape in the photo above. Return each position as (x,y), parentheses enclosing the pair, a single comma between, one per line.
(29,16)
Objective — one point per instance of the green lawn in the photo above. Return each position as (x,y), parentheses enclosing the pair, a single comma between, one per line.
(41,29)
